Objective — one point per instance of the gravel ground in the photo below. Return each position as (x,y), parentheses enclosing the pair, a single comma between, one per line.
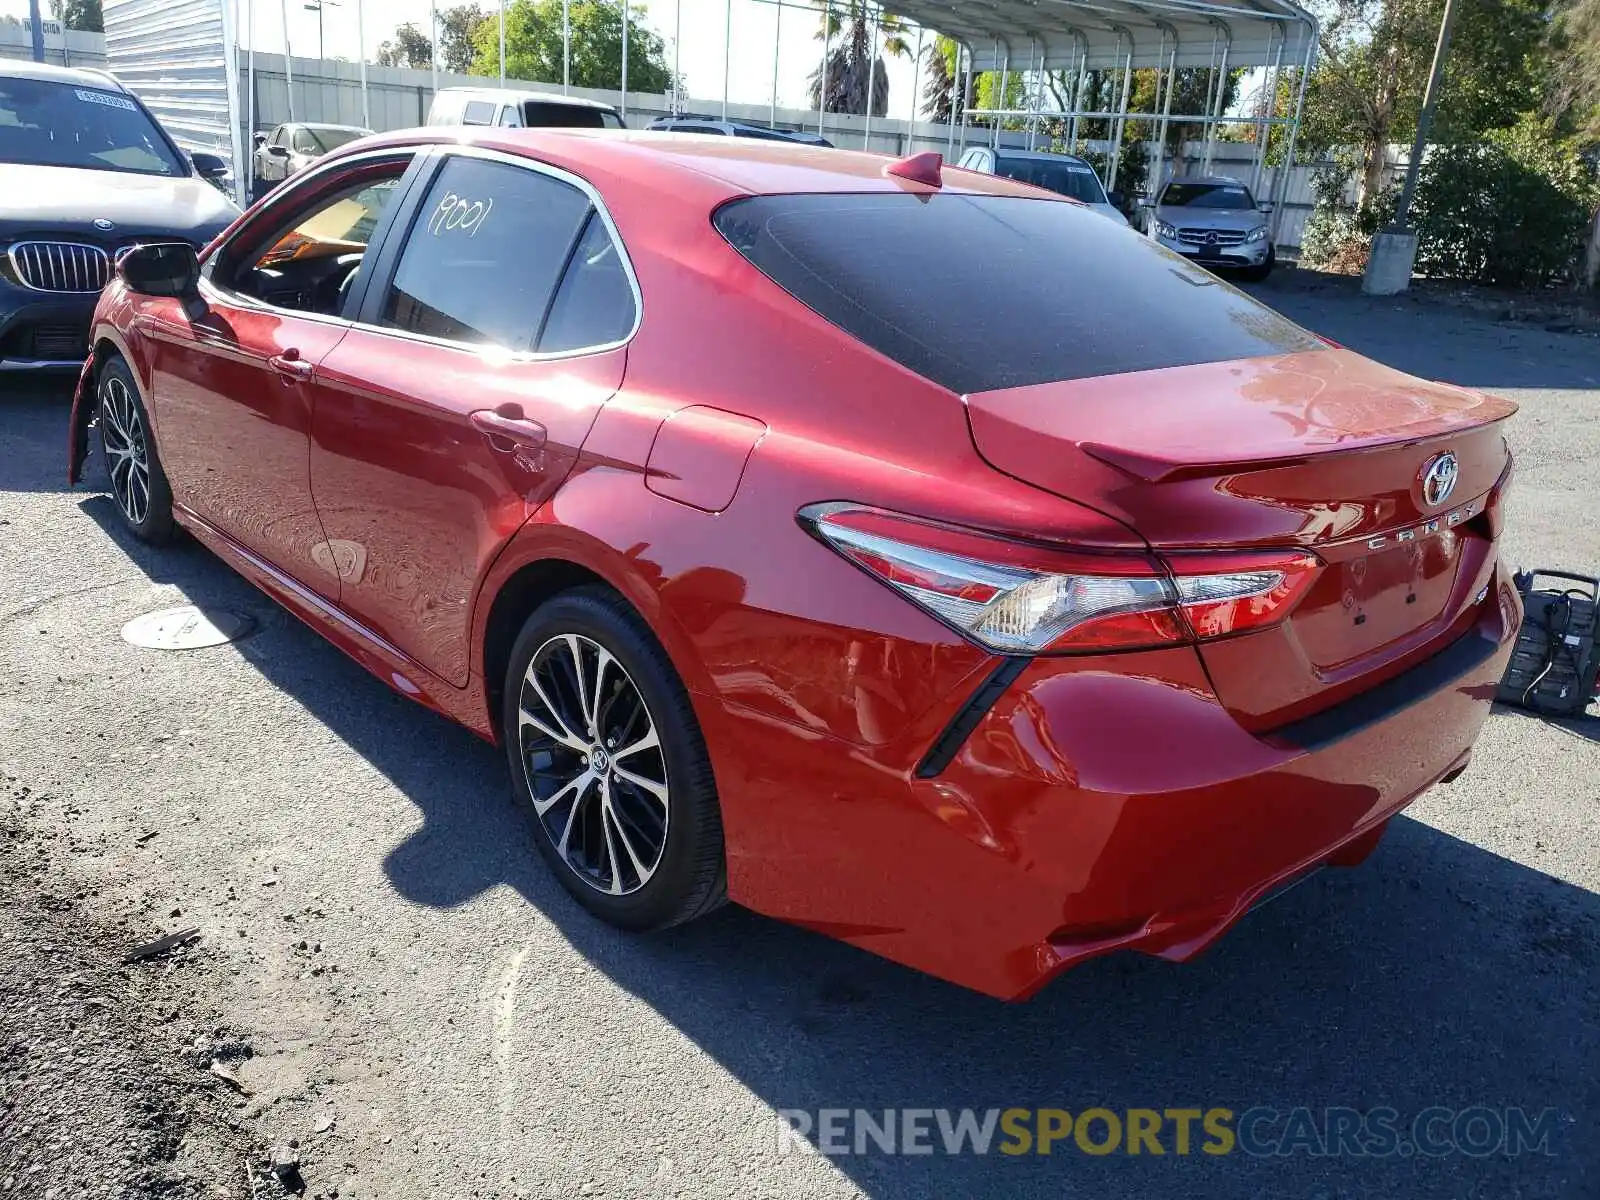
(429,1015)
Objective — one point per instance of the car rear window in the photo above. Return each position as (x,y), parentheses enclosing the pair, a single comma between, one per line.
(985,292)
(553,114)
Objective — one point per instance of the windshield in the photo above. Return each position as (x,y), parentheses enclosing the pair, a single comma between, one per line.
(1063,178)
(332,139)
(49,124)
(1206,195)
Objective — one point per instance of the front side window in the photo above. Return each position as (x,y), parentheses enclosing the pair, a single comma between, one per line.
(486,250)
(478,112)
(304,142)
(49,124)
(307,264)
(1207,195)
(510,118)
(325,140)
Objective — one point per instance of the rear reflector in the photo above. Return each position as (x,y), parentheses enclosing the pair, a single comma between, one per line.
(1017,598)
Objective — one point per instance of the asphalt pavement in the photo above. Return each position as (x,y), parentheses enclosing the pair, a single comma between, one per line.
(431,1016)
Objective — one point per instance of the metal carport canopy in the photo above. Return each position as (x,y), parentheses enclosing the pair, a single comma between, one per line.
(1099,34)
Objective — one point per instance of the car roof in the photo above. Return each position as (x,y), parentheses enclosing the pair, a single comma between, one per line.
(722,168)
(489,93)
(11,68)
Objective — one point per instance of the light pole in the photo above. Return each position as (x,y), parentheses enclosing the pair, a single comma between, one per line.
(317,6)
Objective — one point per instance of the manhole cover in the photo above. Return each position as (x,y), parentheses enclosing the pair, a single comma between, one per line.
(186,628)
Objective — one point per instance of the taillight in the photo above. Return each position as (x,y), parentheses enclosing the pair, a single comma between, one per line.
(1018,598)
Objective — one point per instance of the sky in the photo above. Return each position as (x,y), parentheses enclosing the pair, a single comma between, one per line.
(754,26)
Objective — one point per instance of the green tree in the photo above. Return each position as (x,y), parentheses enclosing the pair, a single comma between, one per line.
(857,47)
(409,48)
(1572,86)
(79,14)
(534,45)
(457,27)
(1374,62)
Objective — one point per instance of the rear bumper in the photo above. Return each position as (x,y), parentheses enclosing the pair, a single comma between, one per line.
(43,332)
(1098,805)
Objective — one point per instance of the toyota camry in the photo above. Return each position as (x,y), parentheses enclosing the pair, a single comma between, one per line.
(915,558)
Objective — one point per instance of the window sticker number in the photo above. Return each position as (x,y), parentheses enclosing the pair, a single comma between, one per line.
(105,98)
(457,214)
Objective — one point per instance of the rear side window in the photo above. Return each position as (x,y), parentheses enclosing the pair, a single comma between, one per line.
(595,305)
(478,112)
(985,292)
(485,253)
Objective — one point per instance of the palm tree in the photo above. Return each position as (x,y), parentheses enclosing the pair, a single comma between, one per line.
(853,57)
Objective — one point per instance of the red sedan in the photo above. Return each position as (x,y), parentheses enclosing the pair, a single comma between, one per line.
(917,559)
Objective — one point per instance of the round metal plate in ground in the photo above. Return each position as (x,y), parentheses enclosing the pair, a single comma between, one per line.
(187,628)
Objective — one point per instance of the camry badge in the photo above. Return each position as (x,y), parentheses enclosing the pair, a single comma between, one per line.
(103,225)
(1439,479)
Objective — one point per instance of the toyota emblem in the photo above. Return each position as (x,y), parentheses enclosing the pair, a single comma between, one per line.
(1439,478)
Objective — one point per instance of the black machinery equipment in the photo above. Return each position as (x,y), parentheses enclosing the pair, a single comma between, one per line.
(1555,662)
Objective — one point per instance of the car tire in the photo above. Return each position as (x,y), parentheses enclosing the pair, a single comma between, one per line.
(635,838)
(134,476)
(1257,274)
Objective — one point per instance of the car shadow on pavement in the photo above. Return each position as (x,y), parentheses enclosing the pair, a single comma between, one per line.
(1437,975)
(33,413)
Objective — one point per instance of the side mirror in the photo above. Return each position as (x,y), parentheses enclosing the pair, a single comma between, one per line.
(1265,206)
(258,140)
(278,151)
(1117,199)
(162,269)
(209,166)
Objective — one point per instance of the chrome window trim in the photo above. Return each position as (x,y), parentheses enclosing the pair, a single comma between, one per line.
(282,197)
(499,353)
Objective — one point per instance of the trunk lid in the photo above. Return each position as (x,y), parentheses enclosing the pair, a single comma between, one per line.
(1322,449)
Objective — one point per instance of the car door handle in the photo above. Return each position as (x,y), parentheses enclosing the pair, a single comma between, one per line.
(507,429)
(290,365)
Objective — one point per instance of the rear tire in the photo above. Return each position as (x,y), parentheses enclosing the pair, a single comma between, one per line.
(607,756)
(136,481)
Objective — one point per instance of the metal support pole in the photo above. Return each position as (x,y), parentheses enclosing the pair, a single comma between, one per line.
(566,44)
(777,47)
(1114,160)
(872,74)
(1430,97)
(36,23)
(677,46)
(288,55)
(916,86)
(1166,113)
(1266,108)
(822,77)
(250,100)
(624,62)
(361,36)
(1031,90)
(966,92)
(955,103)
(1216,109)
(1078,81)
(1281,191)
(727,52)
(1000,101)
(433,42)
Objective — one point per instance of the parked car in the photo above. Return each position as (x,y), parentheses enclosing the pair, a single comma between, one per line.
(721,128)
(1215,221)
(86,173)
(1063,174)
(808,138)
(499,106)
(292,147)
(890,552)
